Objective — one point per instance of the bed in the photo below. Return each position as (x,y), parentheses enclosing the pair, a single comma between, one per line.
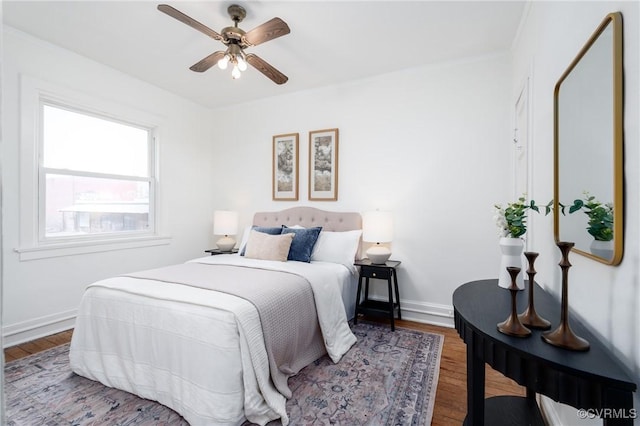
(187,337)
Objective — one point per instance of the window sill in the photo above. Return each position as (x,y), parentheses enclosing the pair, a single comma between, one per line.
(84,247)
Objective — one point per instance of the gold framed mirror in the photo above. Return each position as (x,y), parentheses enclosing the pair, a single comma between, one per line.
(588,147)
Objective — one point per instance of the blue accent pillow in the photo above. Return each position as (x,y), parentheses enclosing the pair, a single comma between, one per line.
(303,242)
(276,230)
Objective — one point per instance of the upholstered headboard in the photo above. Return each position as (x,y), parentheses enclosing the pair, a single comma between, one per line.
(310,216)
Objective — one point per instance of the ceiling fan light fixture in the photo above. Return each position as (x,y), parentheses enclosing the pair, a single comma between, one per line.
(236,72)
(223,62)
(242,63)
(237,59)
(236,40)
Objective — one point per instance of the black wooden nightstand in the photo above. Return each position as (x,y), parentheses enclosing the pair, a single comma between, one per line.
(216,251)
(385,271)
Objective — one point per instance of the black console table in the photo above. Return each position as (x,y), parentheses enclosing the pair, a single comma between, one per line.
(592,380)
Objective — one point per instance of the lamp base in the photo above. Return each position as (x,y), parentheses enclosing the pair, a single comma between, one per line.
(226,243)
(378,255)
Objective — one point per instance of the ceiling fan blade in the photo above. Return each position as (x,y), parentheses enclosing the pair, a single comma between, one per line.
(274,28)
(266,69)
(207,62)
(175,13)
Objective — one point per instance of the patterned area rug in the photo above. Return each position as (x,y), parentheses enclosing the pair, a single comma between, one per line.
(387,378)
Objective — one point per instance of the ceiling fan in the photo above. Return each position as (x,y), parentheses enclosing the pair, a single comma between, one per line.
(236,41)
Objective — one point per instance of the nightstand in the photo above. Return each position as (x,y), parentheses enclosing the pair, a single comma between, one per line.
(385,271)
(216,251)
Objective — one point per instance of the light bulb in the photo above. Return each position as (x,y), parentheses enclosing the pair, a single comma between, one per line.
(241,63)
(236,72)
(223,62)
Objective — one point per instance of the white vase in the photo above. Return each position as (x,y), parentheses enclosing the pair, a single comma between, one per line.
(511,249)
(603,249)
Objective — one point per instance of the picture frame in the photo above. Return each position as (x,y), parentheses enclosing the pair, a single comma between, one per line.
(285,167)
(323,165)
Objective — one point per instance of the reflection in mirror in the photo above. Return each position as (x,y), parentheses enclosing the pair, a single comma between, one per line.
(588,147)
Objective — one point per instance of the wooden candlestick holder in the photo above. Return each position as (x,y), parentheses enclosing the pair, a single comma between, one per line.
(563,336)
(512,325)
(530,317)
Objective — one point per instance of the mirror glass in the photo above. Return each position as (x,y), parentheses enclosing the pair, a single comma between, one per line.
(588,195)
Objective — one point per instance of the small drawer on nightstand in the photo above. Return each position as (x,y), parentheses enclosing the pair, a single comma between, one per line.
(375,272)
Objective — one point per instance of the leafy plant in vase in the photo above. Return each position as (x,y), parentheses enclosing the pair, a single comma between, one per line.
(512,225)
(599,225)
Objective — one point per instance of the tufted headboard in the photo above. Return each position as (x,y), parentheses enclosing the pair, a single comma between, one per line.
(310,216)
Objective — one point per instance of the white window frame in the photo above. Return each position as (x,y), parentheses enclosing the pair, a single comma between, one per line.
(33,244)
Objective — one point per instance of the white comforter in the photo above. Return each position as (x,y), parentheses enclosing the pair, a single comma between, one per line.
(217,372)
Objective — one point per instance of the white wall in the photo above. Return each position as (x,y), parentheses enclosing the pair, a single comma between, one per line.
(431,144)
(41,296)
(606,297)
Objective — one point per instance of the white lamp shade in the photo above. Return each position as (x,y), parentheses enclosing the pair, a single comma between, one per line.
(225,222)
(377,227)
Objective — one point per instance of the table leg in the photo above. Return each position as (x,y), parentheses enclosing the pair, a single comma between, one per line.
(366,289)
(618,408)
(355,315)
(475,387)
(531,394)
(391,314)
(395,283)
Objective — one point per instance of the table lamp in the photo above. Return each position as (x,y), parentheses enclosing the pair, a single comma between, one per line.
(225,223)
(377,227)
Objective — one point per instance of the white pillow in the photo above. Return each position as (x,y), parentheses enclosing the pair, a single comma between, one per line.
(245,238)
(337,247)
(268,247)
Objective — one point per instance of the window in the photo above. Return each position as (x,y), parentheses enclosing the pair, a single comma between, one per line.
(95,176)
(88,173)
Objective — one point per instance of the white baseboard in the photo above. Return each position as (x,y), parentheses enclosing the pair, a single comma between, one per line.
(15,334)
(427,313)
(26,331)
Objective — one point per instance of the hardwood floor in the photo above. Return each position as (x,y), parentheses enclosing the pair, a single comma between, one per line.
(35,346)
(451,403)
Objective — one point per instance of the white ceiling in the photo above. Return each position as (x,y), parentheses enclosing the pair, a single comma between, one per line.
(330,41)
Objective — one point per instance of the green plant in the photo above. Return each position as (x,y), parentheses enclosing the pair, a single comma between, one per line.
(600,224)
(512,220)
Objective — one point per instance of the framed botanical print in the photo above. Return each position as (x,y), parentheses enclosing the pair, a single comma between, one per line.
(285,167)
(323,165)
